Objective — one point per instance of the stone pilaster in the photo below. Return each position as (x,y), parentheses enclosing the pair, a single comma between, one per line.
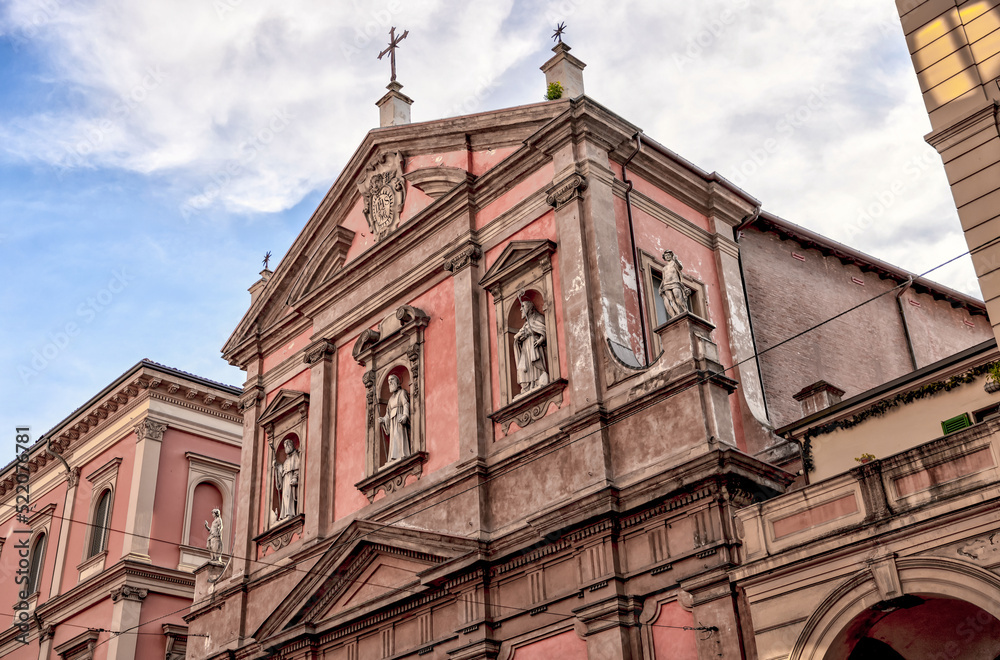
(321,356)
(124,617)
(473,430)
(69,501)
(248,496)
(142,492)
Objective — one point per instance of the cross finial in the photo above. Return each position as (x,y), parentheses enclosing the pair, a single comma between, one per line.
(267,258)
(391,50)
(557,35)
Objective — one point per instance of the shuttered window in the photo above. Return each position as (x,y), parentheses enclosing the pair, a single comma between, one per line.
(956,423)
(35,567)
(99,530)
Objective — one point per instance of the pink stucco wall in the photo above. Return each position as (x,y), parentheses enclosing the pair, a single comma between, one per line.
(286,350)
(171,488)
(540,179)
(670,641)
(440,403)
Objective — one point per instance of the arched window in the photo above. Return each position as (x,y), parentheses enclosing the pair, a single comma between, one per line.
(99,528)
(35,565)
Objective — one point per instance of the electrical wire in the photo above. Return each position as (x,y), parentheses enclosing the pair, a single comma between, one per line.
(533,459)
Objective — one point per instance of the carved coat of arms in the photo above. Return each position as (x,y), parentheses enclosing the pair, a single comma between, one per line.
(383,191)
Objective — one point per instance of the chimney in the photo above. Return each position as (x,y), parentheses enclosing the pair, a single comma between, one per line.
(566,70)
(259,285)
(394,107)
(818,396)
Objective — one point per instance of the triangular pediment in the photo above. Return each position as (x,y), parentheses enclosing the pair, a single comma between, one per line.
(286,401)
(517,255)
(367,566)
(324,261)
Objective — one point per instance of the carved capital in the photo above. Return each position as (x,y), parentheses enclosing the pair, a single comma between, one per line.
(250,397)
(469,256)
(566,190)
(73,478)
(318,351)
(129,593)
(147,429)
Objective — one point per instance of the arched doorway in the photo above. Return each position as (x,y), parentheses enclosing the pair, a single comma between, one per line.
(919,627)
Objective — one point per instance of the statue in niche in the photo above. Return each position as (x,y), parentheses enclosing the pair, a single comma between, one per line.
(396,421)
(672,291)
(529,351)
(214,542)
(286,480)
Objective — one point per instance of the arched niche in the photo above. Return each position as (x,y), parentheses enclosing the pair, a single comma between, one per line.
(395,347)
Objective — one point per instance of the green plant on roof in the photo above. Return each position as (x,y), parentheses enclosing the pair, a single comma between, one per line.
(555,91)
(865,458)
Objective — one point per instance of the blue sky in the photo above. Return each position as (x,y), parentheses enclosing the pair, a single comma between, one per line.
(151,153)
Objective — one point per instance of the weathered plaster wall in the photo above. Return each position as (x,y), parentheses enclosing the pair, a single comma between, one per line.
(856,352)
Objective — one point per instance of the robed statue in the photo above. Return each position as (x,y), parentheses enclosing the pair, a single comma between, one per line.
(673,292)
(529,349)
(214,543)
(396,421)
(286,480)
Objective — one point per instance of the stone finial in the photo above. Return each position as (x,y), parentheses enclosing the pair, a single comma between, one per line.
(259,285)
(818,396)
(394,107)
(565,69)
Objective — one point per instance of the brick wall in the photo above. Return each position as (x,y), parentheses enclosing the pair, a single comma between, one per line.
(856,352)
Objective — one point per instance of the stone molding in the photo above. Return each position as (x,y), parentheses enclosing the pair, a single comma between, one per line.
(530,407)
(392,478)
(281,534)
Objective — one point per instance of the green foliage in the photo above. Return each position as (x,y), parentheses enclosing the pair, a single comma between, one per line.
(865,458)
(882,407)
(555,91)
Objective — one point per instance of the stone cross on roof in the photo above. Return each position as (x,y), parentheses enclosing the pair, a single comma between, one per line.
(391,50)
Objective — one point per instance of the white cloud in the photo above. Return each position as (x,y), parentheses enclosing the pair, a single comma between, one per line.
(813,109)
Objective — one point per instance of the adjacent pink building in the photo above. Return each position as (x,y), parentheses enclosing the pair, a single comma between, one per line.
(119,492)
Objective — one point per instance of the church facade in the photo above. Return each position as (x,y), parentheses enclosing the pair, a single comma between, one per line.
(503,400)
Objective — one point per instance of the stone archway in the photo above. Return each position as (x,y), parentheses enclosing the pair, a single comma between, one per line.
(919,627)
(925,594)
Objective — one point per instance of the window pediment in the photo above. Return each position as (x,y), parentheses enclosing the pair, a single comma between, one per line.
(285,404)
(515,260)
